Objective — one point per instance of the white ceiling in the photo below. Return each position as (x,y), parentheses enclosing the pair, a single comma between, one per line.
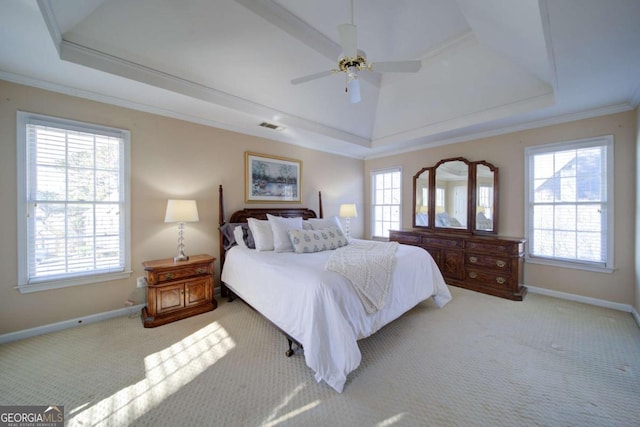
(488,67)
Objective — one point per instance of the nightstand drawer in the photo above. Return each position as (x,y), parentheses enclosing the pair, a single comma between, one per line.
(180,273)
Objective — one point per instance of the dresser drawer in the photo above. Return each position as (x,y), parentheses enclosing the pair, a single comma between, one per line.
(491,279)
(488,261)
(406,238)
(442,242)
(506,248)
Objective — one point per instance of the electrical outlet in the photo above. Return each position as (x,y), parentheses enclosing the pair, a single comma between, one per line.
(141,282)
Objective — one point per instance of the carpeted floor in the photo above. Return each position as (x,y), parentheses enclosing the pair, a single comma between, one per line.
(479,361)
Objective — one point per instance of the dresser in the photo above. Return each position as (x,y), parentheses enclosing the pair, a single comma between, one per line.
(176,290)
(487,264)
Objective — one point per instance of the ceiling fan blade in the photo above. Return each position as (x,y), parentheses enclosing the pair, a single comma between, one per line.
(348,40)
(397,66)
(311,77)
(353,89)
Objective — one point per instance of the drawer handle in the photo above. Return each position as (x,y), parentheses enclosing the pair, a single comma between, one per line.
(500,280)
(169,275)
(501,248)
(201,270)
(473,259)
(472,245)
(473,274)
(500,263)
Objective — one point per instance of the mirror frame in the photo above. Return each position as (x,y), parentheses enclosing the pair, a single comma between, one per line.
(472,192)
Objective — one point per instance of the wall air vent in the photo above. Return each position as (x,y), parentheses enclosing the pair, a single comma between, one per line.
(271,126)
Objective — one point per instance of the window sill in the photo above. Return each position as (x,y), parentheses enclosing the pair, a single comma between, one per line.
(77,281)
(566,264)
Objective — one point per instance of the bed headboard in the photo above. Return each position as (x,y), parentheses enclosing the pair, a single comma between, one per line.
(261,213)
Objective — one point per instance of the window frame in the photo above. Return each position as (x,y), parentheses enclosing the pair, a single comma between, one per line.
(374,174)
(607,142)
(23,171)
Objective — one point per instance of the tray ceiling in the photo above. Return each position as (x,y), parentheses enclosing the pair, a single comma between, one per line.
(487,67)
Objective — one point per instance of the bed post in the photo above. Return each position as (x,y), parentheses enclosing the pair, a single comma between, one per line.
(320,204)
(223,288)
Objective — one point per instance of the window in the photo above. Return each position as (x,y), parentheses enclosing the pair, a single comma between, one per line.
(386,190)
(569,211)
(73,203)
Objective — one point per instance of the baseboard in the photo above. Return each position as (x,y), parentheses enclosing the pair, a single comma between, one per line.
(66,324)
(587,300)
(636,316)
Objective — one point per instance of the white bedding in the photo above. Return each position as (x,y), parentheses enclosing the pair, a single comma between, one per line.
(320,308)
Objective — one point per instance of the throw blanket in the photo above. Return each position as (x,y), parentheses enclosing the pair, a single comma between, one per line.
(369,267)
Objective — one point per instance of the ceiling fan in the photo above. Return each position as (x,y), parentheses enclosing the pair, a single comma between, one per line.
(352,60)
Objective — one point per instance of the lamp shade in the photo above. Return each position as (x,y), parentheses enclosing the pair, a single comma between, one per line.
(348,210)
(181,211)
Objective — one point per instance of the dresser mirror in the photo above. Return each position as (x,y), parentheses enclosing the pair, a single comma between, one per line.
(457,195)
(486,197)
(421,213)
(451,194)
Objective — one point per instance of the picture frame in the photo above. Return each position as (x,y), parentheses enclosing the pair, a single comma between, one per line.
(272,179)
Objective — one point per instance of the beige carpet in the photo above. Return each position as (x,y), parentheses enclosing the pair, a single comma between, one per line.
(480,361)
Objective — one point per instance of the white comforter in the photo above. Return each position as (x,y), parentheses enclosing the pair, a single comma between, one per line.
(320,308)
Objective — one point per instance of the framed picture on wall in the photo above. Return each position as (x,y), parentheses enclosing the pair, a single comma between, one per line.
(272,179)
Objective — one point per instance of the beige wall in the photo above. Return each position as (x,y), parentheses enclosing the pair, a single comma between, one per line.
(507,153)
(169,159)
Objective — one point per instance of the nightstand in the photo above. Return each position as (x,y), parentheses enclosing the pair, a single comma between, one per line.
(176,290)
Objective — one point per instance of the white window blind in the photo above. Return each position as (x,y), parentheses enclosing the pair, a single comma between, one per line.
(75,204)
(570,203)
(387,189)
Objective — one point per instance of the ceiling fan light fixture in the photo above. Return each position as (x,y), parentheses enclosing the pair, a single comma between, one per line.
(353,86)
(353,60)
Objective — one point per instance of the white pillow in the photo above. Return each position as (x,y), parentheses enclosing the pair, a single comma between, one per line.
(237,233)
(306,225)
(262,234)
(322,223)
(279,228)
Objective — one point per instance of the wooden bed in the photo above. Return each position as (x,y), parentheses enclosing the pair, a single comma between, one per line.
(243,215)
(314,305)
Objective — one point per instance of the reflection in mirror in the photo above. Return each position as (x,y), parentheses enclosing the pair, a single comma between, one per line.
(422,199)
(451,199)
(484,198)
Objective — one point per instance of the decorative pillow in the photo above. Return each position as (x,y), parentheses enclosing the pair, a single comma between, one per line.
(279,227)
(228,233)
(262,234)
(322,223)
(243,236)
(307,241)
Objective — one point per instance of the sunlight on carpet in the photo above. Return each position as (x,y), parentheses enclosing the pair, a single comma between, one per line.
(167,371)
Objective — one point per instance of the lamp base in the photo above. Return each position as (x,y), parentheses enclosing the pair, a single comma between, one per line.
(181,256)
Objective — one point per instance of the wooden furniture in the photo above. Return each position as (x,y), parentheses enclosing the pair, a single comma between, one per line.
(243,215)
(487,264)
(176,290)
(457,195)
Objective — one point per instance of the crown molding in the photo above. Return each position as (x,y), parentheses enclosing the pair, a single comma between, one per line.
(534,124)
